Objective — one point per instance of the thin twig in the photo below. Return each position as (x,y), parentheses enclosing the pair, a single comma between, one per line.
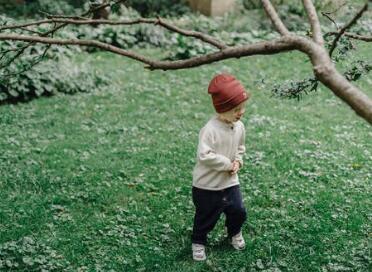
(346,26)
(326,14)
(34,62)
(31,31)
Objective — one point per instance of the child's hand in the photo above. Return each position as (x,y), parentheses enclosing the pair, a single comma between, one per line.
(235,168)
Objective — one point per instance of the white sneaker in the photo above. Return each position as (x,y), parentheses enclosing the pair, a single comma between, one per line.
(238,242)
(198,252)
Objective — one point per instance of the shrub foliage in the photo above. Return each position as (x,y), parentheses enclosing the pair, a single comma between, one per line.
(27,77)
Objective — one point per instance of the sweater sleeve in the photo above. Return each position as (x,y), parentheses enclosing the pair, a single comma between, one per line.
(207,155)
(241,148)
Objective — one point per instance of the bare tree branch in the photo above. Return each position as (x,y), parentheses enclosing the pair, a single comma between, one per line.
(201,36)
(346,26)
(263,48)
(274,17)
(314,21)
(323,67)
(50,16)
(17,26)
(88,21)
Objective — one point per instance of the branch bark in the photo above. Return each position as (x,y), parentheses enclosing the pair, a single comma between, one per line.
(274,17)
(314,21)
(326,72)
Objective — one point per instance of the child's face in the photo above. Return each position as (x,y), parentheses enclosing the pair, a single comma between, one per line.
(234,114)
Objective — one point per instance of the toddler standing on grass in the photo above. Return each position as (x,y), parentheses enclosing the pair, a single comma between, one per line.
(219,157)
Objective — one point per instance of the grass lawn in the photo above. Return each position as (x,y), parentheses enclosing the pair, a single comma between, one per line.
(102,181)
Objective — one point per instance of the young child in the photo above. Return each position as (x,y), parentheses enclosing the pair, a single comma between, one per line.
(219,157)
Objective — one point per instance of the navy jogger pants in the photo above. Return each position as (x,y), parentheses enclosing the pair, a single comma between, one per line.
(210,205)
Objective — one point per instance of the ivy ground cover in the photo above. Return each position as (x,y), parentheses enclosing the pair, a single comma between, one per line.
(101,181)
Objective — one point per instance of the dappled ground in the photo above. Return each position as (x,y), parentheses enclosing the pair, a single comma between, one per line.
(102,181)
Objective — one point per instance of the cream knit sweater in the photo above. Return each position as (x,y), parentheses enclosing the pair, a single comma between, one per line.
(219,145)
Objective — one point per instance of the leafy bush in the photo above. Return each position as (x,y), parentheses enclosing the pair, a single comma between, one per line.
(159,7)
(236,38)
(19,81)
(187,48)
(32,8)
(295,5)
(125,36)
(363,27)
(56,7)
(255,4)
(48,79)
(201,23)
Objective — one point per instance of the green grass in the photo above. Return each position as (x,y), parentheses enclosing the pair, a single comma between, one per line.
(102,181)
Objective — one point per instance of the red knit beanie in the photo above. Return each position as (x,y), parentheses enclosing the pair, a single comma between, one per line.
(227,92)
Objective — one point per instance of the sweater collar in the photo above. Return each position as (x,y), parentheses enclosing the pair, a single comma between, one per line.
(223,124)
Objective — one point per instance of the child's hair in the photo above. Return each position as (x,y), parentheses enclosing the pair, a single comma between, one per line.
(227,92)
(228,114)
